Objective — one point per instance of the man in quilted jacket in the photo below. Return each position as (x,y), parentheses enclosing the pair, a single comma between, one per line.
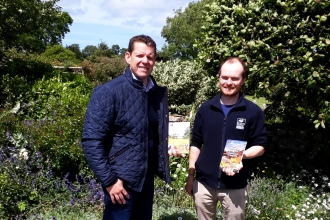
(125,135)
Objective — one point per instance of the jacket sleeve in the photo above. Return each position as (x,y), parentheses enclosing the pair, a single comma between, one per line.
(98,123)
(197,134)
(257,132)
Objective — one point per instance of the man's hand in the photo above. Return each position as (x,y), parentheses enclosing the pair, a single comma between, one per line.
(175,153)
(189,185)
(118,193)
(231,171)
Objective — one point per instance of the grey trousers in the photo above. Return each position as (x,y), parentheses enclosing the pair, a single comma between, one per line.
(206,199)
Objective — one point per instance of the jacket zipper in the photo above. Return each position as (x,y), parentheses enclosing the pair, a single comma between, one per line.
(119,153)
(222,146)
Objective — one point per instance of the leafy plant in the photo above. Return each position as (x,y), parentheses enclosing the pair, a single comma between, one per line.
(29,185)
(104,69)
(286,46)
(188,85)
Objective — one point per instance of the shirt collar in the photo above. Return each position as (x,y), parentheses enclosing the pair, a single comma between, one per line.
(150,83)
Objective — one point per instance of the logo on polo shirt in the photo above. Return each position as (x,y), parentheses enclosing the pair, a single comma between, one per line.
(240,123)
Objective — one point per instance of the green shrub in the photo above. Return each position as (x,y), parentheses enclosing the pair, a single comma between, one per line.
(52,114)
(286,45)
(104,69)
(19,72)
(188,85)
(58,55)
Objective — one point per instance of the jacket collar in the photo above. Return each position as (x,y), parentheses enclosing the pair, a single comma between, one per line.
(136,82)
(215,102)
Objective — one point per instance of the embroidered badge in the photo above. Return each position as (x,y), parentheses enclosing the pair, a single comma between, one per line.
(240,123)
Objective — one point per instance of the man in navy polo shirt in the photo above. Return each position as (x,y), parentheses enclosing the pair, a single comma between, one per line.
(227,116)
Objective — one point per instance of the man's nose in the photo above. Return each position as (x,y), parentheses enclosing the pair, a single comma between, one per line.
(144,59)
(229,81)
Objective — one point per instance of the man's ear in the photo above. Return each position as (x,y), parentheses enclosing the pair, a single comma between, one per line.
(128,58)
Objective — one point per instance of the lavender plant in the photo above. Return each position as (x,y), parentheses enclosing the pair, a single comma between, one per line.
(29,186)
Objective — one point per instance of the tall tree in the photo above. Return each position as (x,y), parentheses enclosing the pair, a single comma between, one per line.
(183,30)
(89,50)
(286,44)
(116,49)
(32,24)
(76,49)
(103,50)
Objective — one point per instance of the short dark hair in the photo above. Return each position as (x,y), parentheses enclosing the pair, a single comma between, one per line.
(141,38)
(233,60)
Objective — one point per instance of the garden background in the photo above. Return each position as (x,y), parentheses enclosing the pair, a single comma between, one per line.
(286,45)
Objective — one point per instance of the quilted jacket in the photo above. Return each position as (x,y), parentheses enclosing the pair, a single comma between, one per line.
(115,133)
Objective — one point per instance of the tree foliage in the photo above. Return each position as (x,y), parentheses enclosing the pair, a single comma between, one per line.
(89,50)
(57,55)
(286,44)
(76,49)
(32,24)
(181,31)
(102,50)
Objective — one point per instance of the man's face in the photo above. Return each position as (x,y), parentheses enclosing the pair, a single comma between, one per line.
(231,79)
(141,60)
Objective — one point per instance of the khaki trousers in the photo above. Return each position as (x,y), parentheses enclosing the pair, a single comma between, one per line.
(206,200)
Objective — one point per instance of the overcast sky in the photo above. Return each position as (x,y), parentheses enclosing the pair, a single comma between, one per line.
(116,21)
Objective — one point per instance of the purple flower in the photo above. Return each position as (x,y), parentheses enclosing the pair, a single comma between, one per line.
(97,196)
(9,135)
(33,182)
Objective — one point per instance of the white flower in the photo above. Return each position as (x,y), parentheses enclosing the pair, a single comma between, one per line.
(294,207)
(175,176)
(184,169)
(179,165)
(316,171)
(316,185)
(254,210)
(23,153)
(20,10)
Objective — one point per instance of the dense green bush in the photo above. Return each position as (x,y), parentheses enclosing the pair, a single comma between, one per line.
(18,73)
(51,113)
(58,55)
(104,69)
(286,44)
(188,85)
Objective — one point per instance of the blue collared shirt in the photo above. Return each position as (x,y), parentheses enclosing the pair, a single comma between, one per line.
(150,83)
